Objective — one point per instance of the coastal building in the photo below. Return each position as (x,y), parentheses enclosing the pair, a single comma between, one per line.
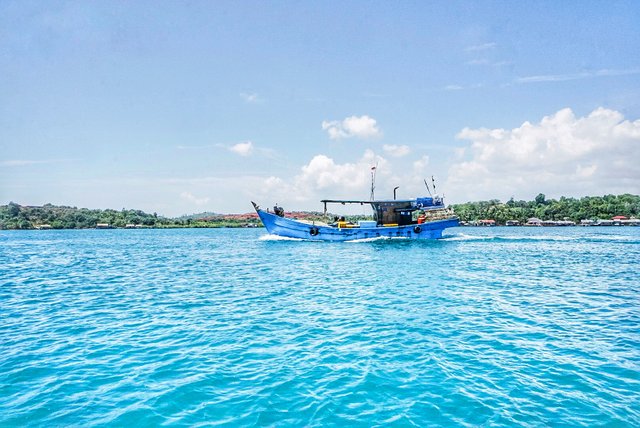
(103,226)
(512,223)
(533,221)
(486,222)
(558,223)
(617,220)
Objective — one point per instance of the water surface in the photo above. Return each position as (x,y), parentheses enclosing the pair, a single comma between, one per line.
(496,326)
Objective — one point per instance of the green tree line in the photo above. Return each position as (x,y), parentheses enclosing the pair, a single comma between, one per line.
(14,216)
(589,207)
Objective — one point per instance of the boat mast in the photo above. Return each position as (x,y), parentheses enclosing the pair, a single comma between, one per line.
(373,180)
(428,189)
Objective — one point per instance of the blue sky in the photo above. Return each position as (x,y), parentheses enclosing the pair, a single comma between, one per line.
(183,107)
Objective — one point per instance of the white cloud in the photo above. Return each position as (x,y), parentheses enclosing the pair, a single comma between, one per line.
(420,165)
(482,61)
(250,98)
(577,76)
(482,47)
(485,61)
(325,178)
(243,149)
(460,87)
(25,162)
(363,127)
(395,150)
(321,178)
(484,55)
(323,172)
(187,196)
(21,162)
(561,155)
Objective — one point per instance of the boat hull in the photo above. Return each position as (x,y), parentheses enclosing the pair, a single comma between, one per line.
(290,228)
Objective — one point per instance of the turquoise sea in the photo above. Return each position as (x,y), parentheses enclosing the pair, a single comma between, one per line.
(489,327)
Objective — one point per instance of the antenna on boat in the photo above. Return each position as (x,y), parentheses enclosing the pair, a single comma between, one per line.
(374,169)
(428,189)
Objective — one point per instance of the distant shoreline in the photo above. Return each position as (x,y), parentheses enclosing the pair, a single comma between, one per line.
(608,210)
(262,227)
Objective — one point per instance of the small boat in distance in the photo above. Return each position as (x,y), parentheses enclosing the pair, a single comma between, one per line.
(420,218)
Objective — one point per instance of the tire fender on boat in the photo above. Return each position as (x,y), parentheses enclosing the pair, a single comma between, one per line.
(417,229)
(314,231)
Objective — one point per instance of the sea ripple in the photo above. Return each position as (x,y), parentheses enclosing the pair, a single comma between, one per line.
(498,326)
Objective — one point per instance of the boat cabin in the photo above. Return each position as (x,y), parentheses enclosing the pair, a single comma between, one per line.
(395,212)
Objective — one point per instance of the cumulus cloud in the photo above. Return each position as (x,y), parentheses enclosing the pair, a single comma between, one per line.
(395,150)
(363,127)
(560,155)
(242,149)
(187,196)
(323,177)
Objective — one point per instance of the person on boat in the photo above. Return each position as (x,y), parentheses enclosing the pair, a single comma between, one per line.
(422,217)
(279,211)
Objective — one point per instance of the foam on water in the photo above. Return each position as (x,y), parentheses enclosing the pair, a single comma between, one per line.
(606,238)
(465,237)
(271,237)
(487,327)
(378,239)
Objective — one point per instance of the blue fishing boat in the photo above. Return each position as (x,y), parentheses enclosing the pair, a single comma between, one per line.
(420,218)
